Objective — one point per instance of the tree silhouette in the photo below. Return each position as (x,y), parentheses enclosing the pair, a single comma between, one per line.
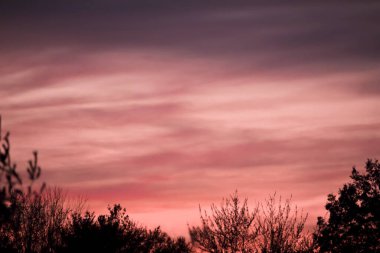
(230,228)
(273,227)
(39,221)
(353,224)
(282,227)
(13,195)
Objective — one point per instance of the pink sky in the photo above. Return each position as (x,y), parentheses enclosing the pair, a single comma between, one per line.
(162,113)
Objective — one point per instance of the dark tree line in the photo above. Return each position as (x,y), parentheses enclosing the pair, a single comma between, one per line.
(115,232)
(38,219)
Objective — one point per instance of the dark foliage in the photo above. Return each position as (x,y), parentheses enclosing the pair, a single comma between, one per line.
(39,221)
(353,224)
(115,232)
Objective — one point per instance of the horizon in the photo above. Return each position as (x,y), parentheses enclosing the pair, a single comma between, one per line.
(163,106)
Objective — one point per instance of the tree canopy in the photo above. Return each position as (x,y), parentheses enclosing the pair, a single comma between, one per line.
(353,224)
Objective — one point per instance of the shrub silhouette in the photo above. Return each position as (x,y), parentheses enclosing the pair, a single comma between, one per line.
(353,224)
(115,232)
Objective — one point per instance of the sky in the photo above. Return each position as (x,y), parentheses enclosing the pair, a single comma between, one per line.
(163,106)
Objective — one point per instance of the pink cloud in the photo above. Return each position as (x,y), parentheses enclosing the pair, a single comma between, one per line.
(163,132)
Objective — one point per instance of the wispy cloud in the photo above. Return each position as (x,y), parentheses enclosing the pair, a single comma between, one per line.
(164,107)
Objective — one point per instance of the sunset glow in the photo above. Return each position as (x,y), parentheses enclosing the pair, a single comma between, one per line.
(162,107)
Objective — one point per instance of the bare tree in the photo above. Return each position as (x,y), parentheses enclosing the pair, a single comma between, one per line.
(39,221)
(275,226)
(229,228)
(282,227)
